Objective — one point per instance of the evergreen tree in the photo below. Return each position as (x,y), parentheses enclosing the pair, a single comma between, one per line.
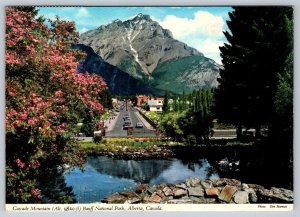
(252,60)
(175,105)
(166,106)
(196,99)
(282,125)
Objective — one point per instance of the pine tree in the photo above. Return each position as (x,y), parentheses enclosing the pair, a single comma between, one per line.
(282,129)
(175,105)
(166,106)
(252,60)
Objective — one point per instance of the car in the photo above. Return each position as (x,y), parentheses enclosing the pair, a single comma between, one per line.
(139,125)
(126,118)
(81,135)
(126,124)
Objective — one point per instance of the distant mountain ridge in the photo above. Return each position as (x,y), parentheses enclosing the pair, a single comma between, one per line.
(143,49)
(119,82)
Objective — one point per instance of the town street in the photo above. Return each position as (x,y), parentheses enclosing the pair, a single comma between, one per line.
(118,131)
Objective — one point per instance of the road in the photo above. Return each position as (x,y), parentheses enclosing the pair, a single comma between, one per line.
(118,130)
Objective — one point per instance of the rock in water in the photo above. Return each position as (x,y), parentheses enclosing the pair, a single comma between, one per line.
(141,188)
(114,198)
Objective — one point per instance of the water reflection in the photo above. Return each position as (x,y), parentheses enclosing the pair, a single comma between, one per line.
(179,172)
(91,186)
(139,171)
(103,176)
(54,187)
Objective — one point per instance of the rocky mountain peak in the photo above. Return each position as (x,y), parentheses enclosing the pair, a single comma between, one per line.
(137,45)
(146,51)
(141,16)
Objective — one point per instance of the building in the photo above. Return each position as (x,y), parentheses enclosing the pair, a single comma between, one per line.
(114,101)
(141,99)
(155,105)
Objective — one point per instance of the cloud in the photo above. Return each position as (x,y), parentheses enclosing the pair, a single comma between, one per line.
(210,47)
(203,22)
(204,31)
(82,13)
(82,30)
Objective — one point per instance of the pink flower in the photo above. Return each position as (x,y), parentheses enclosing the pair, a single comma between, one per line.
(31,122)
(20,163)
(58,93)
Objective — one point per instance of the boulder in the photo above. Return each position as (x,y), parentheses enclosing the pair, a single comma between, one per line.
(160,193)
(114,198)
(255,186)
(241,197)
(154,198)
(180,192)
(161,186)
(180,201)
(252,195)
(225,181)
(202,192)
(245,186)
(206,184)
(192,182)
(275,195)
(196,191)
(134,200)
(151,190)
(227,193)
(181,185)
(129,194)
(141,188)
(168,192)
(211,192)
(202,200)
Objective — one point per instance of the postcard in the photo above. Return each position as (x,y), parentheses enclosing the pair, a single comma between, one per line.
(149,108)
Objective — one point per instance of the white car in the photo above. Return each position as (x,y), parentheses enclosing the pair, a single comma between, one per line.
(139,125)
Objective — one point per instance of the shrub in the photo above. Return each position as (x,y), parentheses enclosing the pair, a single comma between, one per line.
(45,98)
(97,139)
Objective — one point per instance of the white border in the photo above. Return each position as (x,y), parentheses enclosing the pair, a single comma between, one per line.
(147,207)
(295,3)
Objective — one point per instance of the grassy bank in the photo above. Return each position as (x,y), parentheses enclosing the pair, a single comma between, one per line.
(119,145)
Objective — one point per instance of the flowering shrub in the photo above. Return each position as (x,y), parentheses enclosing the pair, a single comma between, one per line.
(45,98)
(136,140)
(145,140)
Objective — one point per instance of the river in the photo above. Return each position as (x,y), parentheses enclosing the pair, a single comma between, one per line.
(103,176)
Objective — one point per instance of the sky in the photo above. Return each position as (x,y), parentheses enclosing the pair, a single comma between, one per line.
(199,27)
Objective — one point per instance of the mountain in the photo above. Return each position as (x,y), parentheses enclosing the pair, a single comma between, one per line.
(143,49)
(119,82)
